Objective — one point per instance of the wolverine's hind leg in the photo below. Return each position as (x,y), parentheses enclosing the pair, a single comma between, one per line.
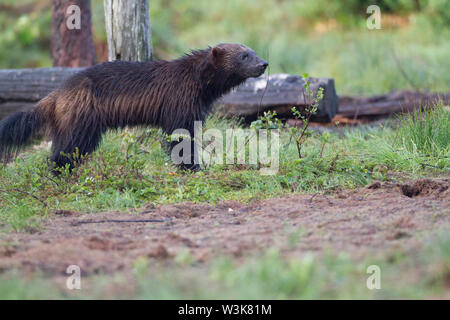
(61,155)
(72,148)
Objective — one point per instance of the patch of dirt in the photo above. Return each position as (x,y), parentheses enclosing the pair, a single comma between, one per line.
(424,187)
(379,217)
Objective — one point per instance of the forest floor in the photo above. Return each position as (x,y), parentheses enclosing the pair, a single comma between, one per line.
(380,217)
(359,197)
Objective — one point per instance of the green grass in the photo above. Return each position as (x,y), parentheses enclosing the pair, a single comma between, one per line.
(14,286)
(412,274)
(131,169)
(427,131)
(329,276)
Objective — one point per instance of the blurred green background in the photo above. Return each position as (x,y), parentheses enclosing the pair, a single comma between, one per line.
(322,38)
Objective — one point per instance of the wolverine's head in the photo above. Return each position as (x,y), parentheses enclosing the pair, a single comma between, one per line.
(238,60)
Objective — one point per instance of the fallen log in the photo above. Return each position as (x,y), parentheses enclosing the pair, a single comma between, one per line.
(279,92)
(391,103)
(20,89)
(31,84)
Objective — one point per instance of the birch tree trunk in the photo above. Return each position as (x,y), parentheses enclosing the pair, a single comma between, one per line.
(128,30)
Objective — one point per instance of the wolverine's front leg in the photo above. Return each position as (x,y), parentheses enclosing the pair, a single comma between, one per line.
(192,163)
(183,150)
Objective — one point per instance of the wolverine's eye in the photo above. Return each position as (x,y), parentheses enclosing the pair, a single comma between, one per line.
(245,56)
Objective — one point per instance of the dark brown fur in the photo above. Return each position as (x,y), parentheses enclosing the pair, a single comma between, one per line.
(168,94)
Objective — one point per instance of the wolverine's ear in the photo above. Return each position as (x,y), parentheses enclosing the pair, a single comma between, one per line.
(216,52)
(209,65)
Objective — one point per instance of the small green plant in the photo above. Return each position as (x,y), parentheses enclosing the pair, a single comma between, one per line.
(268,120)
(324,139)
(301,134)
(298,134)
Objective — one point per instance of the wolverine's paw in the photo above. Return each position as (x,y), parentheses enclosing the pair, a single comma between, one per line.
(190,167)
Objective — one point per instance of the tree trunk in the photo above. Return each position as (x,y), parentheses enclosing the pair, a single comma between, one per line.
(71,42)
(128,30)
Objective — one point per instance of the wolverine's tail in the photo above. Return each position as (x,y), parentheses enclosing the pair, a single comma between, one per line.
(17,130)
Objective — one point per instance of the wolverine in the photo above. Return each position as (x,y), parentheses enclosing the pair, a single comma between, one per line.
(167,94)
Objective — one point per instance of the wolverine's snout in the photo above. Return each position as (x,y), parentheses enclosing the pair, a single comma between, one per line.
(260,67)
(263,65)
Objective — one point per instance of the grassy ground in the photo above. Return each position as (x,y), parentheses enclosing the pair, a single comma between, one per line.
(131,169)
(332,276)
(416,273)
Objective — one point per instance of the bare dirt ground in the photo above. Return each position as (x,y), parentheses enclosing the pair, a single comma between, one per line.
(381,216)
